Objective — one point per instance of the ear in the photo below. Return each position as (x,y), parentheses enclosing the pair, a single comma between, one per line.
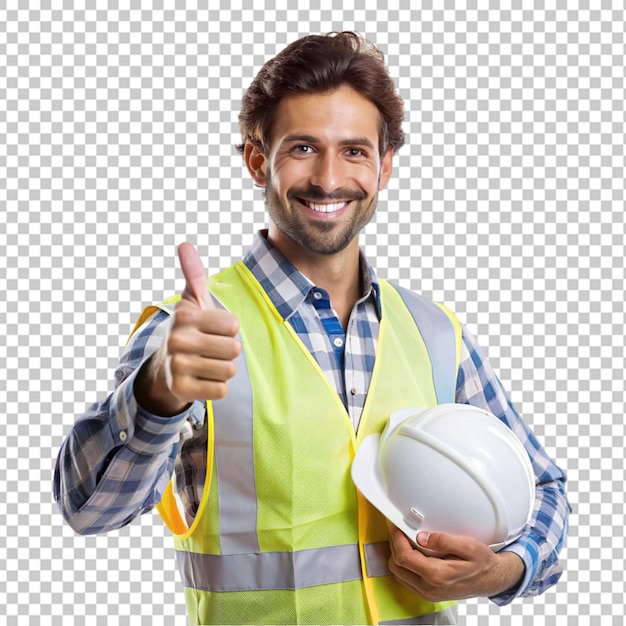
(386,169)
(256,164)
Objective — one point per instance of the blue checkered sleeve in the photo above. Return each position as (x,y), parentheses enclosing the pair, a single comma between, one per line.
(540,544)
(117,460)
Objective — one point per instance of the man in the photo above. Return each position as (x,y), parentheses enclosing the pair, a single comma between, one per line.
(239,407)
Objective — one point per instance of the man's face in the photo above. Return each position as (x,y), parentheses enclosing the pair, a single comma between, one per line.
(323,170)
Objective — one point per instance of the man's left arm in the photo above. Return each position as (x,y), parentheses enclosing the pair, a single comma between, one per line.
(526,567)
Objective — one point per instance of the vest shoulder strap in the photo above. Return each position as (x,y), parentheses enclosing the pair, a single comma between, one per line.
(441,332)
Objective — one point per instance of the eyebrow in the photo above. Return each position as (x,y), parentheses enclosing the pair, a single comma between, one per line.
(357,141)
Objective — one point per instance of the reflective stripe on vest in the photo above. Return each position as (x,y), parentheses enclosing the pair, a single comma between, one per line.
(281,570)
(232,419)
(434,326)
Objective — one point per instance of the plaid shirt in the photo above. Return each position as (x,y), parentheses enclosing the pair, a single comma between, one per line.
(117,460)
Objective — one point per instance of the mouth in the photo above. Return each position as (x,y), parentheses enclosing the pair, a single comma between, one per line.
(325,208)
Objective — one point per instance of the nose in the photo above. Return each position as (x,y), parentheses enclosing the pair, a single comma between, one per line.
(329,172)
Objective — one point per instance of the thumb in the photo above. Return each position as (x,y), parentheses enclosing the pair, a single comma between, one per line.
(446,545)
(195,276)
(433,544)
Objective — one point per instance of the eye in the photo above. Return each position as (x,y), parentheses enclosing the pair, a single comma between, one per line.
(302,149)
(355,152)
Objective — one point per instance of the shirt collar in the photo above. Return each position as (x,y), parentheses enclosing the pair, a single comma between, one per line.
(285,286)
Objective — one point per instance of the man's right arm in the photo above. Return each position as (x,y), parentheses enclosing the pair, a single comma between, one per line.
(117,460)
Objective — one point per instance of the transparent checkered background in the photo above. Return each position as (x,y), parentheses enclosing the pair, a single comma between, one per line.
(116,135)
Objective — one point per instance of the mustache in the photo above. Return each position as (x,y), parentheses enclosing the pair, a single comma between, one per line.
(319,195)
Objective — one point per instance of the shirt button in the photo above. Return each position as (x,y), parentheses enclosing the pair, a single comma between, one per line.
(338,342)
(317,295)
(353,391)
(123,436)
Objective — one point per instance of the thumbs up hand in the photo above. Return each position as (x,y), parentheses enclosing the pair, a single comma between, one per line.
(196,358)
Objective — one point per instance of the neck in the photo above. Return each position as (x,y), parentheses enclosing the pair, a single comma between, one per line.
(339,274)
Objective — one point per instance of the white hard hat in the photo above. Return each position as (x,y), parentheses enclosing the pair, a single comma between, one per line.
(453,468)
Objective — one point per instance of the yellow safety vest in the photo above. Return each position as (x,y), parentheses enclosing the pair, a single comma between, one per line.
(281,534)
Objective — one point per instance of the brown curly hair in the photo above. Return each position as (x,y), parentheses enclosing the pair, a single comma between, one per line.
(318,64)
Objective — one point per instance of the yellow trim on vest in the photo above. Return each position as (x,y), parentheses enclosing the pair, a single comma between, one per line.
(169,511)
(146,313)
(168,508)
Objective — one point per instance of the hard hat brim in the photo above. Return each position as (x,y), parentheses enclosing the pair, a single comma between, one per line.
(369,480)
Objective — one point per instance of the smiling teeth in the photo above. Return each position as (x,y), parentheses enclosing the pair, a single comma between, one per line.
(326,208)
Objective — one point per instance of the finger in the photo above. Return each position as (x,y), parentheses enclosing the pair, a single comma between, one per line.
(449,546)
(189,389)
(215,340)
(201,369)
(403,551)
(398,540)
(209,322)
(392,538)
(191,377)
(195,276)
(407,578)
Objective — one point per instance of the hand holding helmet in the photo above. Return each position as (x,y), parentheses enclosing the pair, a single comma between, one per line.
(469,568)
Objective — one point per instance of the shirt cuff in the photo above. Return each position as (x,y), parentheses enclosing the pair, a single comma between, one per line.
(144,432)
(528,551)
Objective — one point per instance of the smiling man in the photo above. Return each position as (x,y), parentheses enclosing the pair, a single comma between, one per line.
(239,405)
